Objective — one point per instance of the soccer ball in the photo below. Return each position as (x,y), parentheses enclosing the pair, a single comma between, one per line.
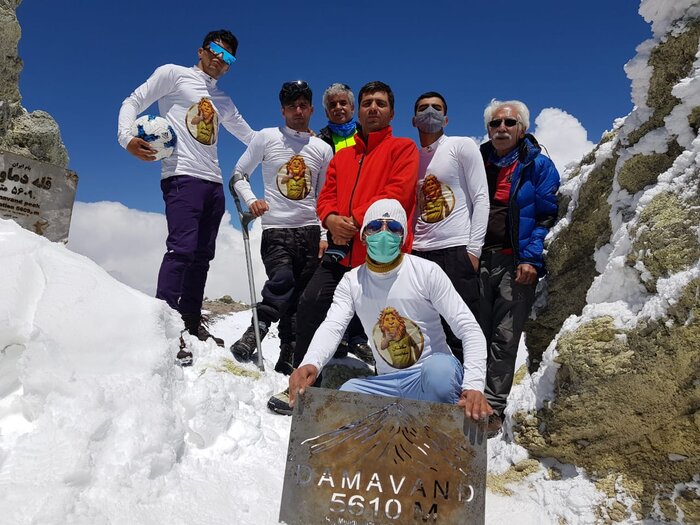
(157,132)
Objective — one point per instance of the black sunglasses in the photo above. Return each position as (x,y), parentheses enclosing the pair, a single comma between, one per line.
(510,122)
(301,84)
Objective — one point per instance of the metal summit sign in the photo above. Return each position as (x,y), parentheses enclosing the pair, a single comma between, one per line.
(356,459)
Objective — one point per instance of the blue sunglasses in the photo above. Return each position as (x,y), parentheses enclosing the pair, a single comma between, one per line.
(378,225)
(216,49)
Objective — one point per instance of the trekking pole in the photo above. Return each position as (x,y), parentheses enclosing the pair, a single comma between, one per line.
(245,217)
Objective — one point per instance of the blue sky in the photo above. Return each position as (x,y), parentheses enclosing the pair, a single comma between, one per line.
(82,58)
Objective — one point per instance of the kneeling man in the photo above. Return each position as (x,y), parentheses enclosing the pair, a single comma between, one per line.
(399,298)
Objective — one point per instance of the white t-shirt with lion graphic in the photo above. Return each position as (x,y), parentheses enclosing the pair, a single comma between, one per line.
(419,292)
(294,167)
(191,102)
(452,208)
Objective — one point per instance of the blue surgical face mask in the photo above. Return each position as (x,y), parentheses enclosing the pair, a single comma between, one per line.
(383,247)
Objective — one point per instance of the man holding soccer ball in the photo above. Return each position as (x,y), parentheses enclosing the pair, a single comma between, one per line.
(190,100)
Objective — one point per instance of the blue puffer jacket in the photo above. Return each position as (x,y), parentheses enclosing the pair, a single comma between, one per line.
(533,206)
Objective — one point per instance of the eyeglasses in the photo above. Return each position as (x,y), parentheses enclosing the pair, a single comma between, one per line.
(378,225)
(216,49)
(298,84)
(510,122)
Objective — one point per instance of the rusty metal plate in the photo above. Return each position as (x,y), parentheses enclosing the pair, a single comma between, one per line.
(356,459)
(37,195)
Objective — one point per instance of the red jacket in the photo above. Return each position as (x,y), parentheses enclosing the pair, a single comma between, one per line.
(386,167)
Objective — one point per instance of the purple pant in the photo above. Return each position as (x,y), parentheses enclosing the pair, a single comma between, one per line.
(193,208)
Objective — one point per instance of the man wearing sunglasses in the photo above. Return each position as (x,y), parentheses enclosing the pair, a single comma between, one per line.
(522,192)
(294,167)
(377,166)
(191,182)
(400,300)
(453,203)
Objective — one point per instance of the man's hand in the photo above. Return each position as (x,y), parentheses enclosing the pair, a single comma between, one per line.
(322,247)
(300,380)
(258,207)
(141,149)
(525,274)
(475,404)
(474,260)
(342,228)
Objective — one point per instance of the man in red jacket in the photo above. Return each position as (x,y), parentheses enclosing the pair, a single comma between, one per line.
(378,166)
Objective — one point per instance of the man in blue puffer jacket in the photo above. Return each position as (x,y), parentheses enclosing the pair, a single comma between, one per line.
(522,193)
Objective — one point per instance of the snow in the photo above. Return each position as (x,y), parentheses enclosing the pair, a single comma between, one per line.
(662,14)
(99,425)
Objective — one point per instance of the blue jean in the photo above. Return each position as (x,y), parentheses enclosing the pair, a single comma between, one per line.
(193,208)
(439,380)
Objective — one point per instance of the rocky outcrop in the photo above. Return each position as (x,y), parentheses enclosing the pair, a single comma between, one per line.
(36,134)
(619,315)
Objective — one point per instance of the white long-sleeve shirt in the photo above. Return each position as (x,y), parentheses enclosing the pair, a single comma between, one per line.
(179,91)
(419,292)
(453,201)
(294,167)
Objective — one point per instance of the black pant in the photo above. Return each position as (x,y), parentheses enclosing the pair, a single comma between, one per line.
(314,303)
(456,264)
(505,308)
(290,256)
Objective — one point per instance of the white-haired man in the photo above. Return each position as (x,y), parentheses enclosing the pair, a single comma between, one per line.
(523,207)
(339,103)
(399,299)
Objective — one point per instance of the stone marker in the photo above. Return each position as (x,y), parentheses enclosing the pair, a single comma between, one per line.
(356,459)
(37,195)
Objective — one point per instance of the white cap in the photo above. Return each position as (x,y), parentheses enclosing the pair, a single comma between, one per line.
(386,209)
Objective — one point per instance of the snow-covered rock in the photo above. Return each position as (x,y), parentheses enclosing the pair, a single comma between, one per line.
(618,389)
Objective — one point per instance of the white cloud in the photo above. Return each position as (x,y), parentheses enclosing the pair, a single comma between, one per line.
(563,135)
(130,244)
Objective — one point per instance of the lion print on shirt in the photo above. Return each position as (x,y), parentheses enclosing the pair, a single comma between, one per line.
(398,340)
(202,122)
(294,178)
(435,200)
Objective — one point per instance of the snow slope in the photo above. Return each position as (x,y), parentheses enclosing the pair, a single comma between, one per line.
(98,425)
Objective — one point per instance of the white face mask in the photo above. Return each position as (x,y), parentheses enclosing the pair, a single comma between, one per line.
(430,120)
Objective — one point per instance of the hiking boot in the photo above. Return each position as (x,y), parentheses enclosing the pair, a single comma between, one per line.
(285,362)
(342,350)
(494,426)
(364,352)
(197,325)
(279,403)
(245,347)
(184,357)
